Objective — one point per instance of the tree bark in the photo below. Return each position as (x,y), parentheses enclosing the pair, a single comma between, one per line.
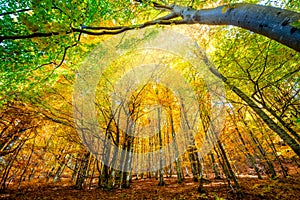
(271,22)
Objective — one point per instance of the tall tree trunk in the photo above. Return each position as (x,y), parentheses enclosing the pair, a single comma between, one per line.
(104,175)
(177,160)
(161,160)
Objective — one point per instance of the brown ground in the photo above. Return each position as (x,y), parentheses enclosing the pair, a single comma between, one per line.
(252,188)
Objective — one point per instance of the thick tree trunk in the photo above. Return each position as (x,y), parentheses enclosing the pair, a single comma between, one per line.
(271,22)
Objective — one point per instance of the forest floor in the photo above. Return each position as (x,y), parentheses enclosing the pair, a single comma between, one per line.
(252,188)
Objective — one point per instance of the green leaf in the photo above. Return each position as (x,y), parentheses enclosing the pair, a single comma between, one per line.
(296,24)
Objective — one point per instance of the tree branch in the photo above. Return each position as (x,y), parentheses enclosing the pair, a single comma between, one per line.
(120,29)
(33,35)
(275,23)
(106,30)
(14,12)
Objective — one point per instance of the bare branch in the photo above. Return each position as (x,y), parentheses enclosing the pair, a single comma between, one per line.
(33,35)
(14,12)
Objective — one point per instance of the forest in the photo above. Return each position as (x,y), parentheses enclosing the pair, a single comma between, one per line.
(150,99)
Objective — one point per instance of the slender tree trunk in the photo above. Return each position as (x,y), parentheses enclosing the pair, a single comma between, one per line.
(177,160)
(161,160)
(104,175)
(150,158)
